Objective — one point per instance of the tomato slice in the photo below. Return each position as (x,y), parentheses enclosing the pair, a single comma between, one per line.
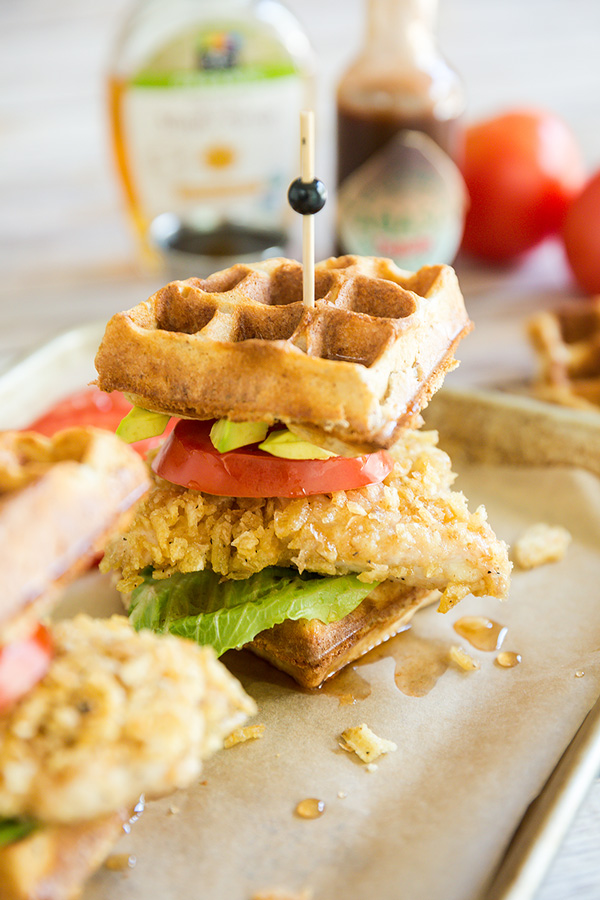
(91,406)
(188,458)
(22,664)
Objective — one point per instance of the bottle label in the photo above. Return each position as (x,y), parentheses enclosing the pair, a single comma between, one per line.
(407,202)
(216,135)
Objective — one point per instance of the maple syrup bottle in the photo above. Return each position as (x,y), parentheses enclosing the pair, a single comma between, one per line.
(205,97)
(399,138)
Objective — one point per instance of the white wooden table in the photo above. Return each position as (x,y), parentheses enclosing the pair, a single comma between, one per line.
(67,256)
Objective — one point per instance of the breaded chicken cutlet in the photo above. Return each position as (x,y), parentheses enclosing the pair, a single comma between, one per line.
(410,528)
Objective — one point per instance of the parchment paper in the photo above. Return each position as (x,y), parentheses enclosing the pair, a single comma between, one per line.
(435,817)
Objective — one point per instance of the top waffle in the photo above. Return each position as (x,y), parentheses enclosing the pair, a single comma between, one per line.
(240,344)
(567,344)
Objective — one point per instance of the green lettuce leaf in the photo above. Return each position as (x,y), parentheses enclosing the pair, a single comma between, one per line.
(12,830)
(227,614)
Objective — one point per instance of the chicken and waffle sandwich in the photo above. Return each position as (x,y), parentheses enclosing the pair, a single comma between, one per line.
(92,714)
(297,508)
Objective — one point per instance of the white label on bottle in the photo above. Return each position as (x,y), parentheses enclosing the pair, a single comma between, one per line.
(224,150)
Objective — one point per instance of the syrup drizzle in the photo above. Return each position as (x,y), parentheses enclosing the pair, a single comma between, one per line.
(347,685)
(120,862)
(419,663)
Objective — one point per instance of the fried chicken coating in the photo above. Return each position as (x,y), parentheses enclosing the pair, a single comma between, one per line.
(411,528)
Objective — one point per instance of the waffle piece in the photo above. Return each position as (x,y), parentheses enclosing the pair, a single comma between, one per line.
(311,651)
(567,345)
(356,368)
(54,861)
(60,498)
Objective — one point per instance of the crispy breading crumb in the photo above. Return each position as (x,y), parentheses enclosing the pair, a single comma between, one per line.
(541,544)
(462,659)
(241,735)
(365,743)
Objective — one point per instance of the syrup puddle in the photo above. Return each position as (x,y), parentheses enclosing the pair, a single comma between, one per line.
(419,663)
(348,686)
(480,632)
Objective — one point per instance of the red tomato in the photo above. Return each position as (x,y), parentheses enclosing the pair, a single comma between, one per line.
(91,406)
(522,170)
(581,236)
(22,664)
(188,458)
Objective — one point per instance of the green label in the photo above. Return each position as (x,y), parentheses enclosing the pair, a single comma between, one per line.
(204,77)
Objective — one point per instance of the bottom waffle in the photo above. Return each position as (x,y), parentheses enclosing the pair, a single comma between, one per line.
(54,861)
(311,651)
(567,345)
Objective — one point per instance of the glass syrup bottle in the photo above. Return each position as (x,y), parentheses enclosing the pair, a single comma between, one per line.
(204,104)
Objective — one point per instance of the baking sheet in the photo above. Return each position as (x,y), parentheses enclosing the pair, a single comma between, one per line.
(434,818)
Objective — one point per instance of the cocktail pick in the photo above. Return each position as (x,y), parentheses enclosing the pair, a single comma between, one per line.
(307,195)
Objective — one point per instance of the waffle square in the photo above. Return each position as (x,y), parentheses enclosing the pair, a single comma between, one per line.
(355,368)
(567,345)
(311,651)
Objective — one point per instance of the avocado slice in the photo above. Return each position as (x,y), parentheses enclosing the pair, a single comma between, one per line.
(289,446)
(226,435)
(13,830)
(140,424)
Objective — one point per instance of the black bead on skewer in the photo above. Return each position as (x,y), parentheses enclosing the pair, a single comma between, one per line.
(307,197)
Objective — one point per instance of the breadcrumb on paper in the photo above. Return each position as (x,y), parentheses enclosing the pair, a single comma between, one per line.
(365,743)
(541,544)
(462,659)
(241,735)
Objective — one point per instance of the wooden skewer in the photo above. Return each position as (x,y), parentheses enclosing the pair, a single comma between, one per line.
(307,170)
